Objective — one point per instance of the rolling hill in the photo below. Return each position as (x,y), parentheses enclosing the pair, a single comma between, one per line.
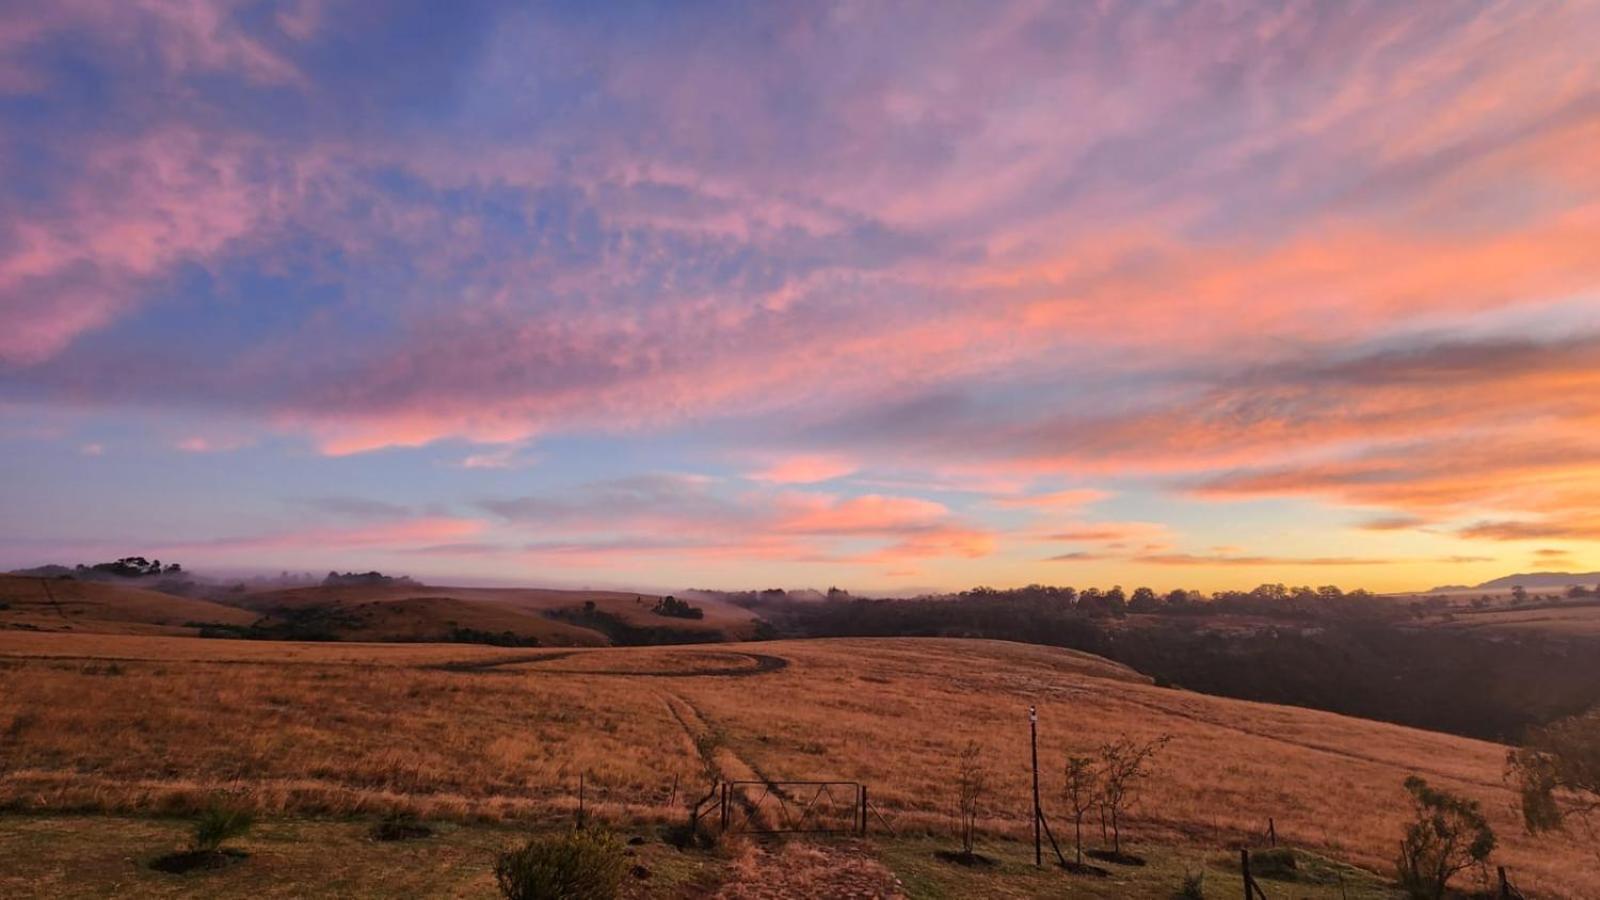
(1530,580)
(64,604)
(386,612)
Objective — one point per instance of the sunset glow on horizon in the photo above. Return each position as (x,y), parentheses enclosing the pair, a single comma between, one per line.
(897,299)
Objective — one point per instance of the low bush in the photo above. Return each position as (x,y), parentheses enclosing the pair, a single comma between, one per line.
(219,824)
(583,864)
(1277,863)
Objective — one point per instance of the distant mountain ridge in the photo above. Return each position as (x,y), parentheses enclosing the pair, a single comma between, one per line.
(1532,580)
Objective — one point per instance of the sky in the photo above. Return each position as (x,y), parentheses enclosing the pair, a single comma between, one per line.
(890,296)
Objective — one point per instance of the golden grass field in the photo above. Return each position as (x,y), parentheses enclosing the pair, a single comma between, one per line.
(149,725)
(1565,621)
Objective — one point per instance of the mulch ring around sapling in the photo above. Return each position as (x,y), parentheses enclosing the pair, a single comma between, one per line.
(965,858)
(400,828)
(186,861)
(1121,859)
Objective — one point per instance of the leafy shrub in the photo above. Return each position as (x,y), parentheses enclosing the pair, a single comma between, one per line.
(1448,836)
(1558,772)
(583,864)
(1275,862)
(219,824)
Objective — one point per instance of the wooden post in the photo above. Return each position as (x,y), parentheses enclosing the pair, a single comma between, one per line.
(580,799)
(1272,832)
(1244,867)
(863,809)
(724,807)
(1505,885)
(1033,735)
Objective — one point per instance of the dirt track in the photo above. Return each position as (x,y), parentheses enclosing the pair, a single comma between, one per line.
(761,664)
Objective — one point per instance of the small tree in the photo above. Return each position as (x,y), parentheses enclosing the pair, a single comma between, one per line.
(971,780)
(1449,836)
(1124,765)
(1558,772)
(1081,793)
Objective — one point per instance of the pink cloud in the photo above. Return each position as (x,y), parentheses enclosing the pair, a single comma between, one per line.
(806,469)
(685,518)
(1251,264)
(141,206)
(384,535)
(1068,499)
(869,514)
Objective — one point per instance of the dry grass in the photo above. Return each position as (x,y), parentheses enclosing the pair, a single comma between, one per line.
(1576,620)
(352,728)
(68,605)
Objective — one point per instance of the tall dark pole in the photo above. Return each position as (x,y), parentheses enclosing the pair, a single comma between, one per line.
(1033,735)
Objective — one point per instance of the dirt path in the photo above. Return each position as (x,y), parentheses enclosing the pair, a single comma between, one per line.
(720,761)
(486,665)
(759,664)
(801,870)
(779,870)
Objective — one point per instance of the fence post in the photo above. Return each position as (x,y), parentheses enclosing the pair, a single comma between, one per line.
(863,809)
(580,799)
(1033,740)
(724,807)
(1244,867)
(1505,886)
(1272,832)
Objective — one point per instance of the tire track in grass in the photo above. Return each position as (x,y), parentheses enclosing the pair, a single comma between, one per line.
(759,664)
(721,763)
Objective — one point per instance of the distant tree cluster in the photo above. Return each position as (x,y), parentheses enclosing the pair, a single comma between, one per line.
(1521,597)
(1271,600)
(367,579)
(130,567)
(1345,651)
(677,609)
